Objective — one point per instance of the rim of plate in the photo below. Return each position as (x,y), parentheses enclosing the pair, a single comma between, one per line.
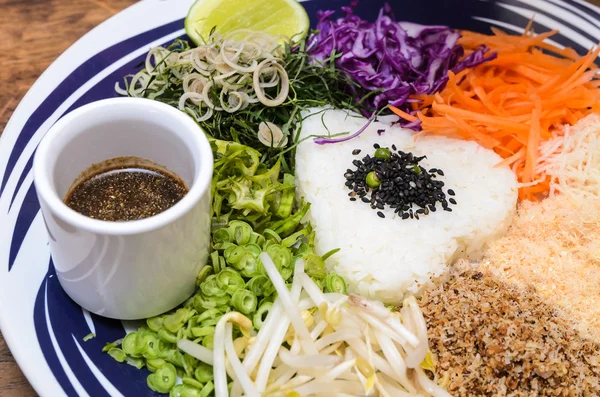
(135,20)
(578,21)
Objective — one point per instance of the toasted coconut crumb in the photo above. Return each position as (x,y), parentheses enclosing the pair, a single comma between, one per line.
(554,246)
(497,339)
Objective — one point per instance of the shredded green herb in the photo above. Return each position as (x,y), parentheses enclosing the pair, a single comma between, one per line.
(311,84)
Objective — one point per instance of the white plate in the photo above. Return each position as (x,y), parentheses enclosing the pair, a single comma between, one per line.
(42,326)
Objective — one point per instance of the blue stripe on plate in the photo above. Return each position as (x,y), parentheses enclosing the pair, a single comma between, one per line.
(69,325)
(584,6)
(540,10)
(560,19)
(27,213)
(43,335)
(76,79)
(21,179)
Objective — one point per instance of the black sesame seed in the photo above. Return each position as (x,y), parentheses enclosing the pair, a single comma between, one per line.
(402,184)
(440,172)
(380,214)
(452,200)
(451,192)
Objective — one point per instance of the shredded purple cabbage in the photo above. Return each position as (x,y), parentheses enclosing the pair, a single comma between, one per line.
(399,59)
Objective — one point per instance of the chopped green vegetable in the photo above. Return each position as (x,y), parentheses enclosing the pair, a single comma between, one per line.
(88,337)
(118,354)
(334,283)
(244,301)
(163,379)
(234,279)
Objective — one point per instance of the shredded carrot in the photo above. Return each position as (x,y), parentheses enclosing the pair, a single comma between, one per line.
(513,103)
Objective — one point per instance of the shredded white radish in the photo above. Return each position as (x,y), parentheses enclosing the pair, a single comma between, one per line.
(572,161)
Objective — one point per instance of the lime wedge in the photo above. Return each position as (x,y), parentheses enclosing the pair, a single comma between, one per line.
(276,17)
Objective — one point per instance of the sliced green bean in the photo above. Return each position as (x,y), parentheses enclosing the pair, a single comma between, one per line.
(208,341)
(155,364)
(176,320)
(241,231)
(129,344)
(334,283)
(145,342)
(207,389)
(230,280)
(314,266)
(185,390)
(189,364)
(109,346)
(163,379)
(261,314)
(270,235)
(155,323)
(192,382)
(202,331)
(211,313)
(204,273)
(135,362)
(204,373)
(210,287)
(118,354)
(244,301)
(167,336)
(260,285)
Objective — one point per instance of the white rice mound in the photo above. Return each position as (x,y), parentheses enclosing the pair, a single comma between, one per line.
(386,258)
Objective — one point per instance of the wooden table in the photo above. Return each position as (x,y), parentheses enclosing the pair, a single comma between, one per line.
(32,34)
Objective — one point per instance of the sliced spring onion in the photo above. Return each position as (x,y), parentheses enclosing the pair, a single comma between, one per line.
(204,372)
(260,285)
(244,301)
(118,354)
(334,283)
(230,280)
(163,380)
(261,314)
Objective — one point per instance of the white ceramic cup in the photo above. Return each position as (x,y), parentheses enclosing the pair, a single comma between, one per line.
(134,269)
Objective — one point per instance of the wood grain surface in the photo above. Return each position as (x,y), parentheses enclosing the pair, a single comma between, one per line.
(32,34)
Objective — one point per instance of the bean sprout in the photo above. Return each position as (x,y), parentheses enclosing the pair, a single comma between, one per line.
(336,346)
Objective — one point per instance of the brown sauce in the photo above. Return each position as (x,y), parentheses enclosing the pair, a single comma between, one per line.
(125,189)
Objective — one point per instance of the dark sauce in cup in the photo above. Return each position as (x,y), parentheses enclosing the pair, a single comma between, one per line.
(125,189)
